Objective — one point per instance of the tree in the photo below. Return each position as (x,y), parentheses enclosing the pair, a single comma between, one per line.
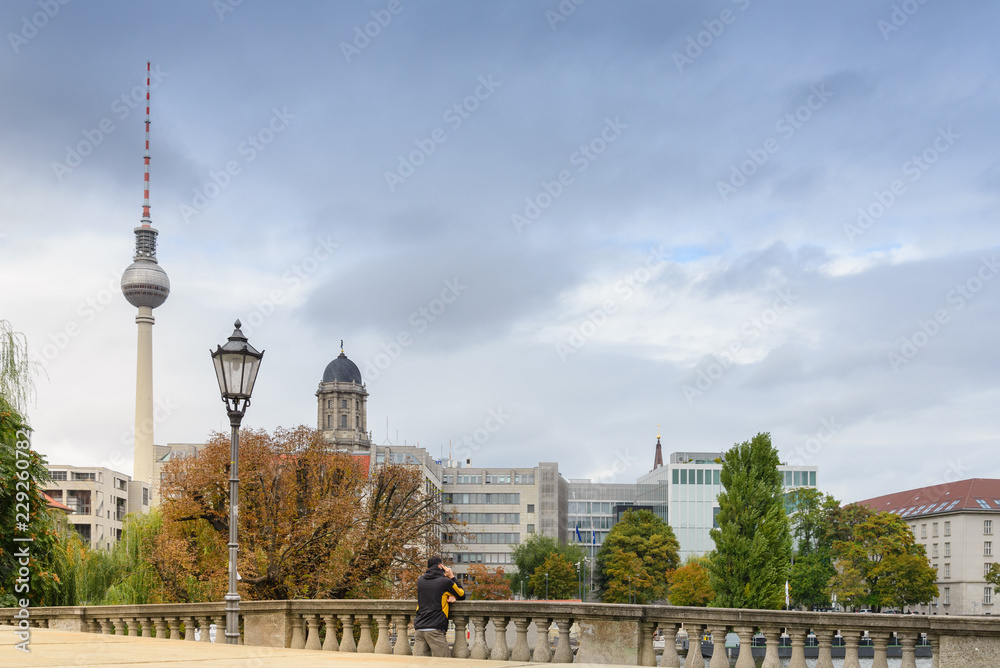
(313,522)
(881,565)
(651,540)
(484,584)
(689,584)
(753,543)
(993,575)
(22,478)
(533,552)
(814,525)
(628,580)
(561,582)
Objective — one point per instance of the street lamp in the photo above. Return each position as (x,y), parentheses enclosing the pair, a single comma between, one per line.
(236,365)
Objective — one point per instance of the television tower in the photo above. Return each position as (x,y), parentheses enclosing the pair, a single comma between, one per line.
(145,286)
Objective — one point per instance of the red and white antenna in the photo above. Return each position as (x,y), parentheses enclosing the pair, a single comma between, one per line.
(146,221)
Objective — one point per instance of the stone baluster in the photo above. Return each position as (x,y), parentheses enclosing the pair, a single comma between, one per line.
(107,628)
(745,634)
(461,648)
(205,624)
(134,627)
(121,626)
(521,651)
(647,655)
(719,658)
(773,638)
(365,645)
(160,627)
(175,627)
(312,633)
(542,654)
(909,644)
(564,653)
(347,637)
(851,639)
(189,627)
(881,643)
(824,638)
(500,651)
(670,659)
(220,629)
(146,625)
(330,643)
(479,647)
(298,632)
(935,643)
(798,637)
(90,625)
(402,646)
(383,645)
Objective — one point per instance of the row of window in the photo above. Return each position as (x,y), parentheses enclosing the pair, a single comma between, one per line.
(61,475)
(343,421)
(481,558)
(343,404)
(483,518)
(987,529)
(505,498)
(800,478)
(590,522)
(493,538)
(490,478)
(696,477)
(987,596)
(590,507)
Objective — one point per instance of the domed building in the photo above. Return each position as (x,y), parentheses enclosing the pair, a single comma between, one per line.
(342,406)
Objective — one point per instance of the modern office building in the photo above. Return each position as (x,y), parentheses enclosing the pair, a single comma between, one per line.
(955,522)
(98,498)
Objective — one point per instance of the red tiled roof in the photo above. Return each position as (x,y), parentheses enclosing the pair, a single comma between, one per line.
(972,494)
(57,505)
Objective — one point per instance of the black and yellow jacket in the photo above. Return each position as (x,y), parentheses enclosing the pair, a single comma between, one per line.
(433,588)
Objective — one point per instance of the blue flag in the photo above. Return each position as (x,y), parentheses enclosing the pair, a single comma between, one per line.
(578,539)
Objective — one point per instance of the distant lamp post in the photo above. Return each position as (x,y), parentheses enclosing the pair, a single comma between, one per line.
(546,586)
(236,365)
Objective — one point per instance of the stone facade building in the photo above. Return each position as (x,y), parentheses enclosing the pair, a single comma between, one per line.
(98,498)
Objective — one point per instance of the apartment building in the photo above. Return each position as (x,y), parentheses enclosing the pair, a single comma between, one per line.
(98,498)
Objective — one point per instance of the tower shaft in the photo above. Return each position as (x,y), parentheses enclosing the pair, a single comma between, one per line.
(142,468)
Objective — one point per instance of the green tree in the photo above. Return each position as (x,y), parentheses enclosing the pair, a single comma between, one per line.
(689,584)
(993,575)
(813,527)
(652,541)
(22,479)
(561,582)
(628,580)
(532,553)
(882,565)
(753,544)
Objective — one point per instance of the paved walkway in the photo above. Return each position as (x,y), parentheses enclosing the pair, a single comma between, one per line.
(64,648)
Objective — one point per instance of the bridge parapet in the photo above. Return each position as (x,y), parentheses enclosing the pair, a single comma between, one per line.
(549,631)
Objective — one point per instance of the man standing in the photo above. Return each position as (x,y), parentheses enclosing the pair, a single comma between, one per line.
(436,588)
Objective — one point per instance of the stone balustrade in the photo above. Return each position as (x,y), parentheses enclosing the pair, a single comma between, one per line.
(540,631)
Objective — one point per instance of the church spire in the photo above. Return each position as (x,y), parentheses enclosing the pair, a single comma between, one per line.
(658,460)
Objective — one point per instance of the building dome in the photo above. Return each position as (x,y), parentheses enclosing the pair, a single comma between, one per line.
(342,370)
(145,283)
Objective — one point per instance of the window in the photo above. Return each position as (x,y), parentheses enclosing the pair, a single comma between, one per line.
(676,476)
(987,548)
(329,421)
(936,571)
(701,477)
(524,479)
(58,475)
(947,570)
(987,595)
(145,496)
(531,528)
(343,422)
(357,405)
(812,478)
(934,530)
(531,509)
(455,498)
(343,403)
(329,403)
(947,528)
(947,595)
(715,477)
(83,476)
(988,527)
(934,551)
(684,476)
(986,568)
(947,549)
(923,531)
(498,479)
(469,479)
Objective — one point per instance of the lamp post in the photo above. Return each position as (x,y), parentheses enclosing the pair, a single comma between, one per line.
(236,365)
(546,586)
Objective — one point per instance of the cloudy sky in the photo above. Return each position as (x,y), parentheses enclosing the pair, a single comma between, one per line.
(590,218)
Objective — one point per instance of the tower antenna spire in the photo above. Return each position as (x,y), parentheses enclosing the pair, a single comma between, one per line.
(146,221)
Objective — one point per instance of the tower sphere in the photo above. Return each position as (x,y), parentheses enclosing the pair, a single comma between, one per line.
(144,283)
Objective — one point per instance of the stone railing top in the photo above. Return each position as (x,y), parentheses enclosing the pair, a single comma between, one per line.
(663,614)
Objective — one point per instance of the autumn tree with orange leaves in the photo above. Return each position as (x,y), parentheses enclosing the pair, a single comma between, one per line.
(313,523)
